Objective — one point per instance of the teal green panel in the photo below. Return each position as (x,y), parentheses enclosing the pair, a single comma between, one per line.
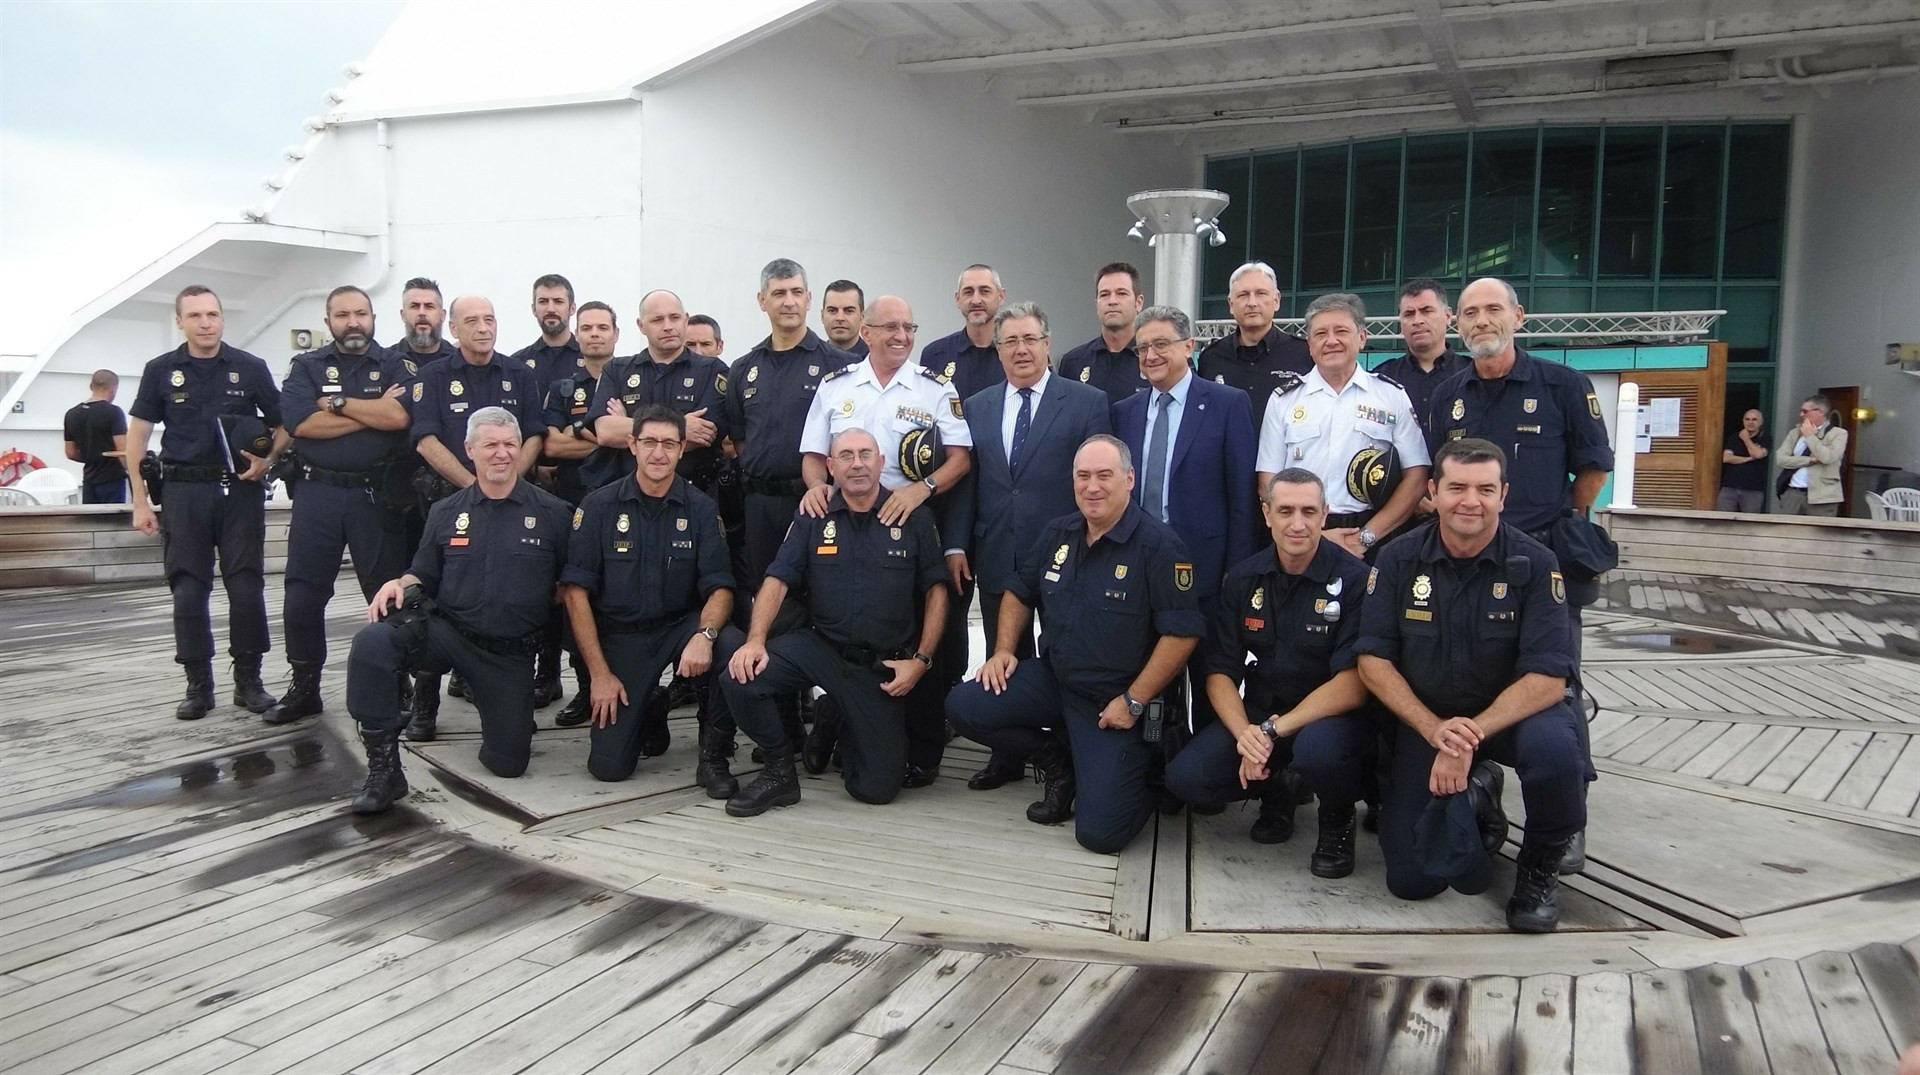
(1550,299)
(1750,317)
(1372,359)
(1686,356)
(1601,359)
(1687,297)
(1549,354)
(1638,297)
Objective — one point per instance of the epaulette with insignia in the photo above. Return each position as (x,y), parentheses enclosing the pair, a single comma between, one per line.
(1289,381)
(838,372)
(1389,380)
(935,375)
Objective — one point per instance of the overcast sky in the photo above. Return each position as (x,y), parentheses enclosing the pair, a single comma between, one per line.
(126,127)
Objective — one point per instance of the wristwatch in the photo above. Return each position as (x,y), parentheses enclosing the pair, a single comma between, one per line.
(1267,727)
(1134,708)
(1367,539)
(711,634)
(923,659)
(929,483)
(337,404)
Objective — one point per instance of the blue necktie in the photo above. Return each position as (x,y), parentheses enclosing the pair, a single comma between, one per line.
(1021,423)
(1151,495)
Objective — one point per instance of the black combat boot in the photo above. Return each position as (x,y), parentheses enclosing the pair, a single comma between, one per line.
(1575,859)
(423,721)
(303,695)
(580,710)
(1484,783)
(546,678)
(1053,764)
(654,735)
(1001,769)
(386,783)
(456,686)
(1277,804)
(777,785)
(248,692)
(817,751)
(1535,906)
(199,700)
(715,770)
(1333,854)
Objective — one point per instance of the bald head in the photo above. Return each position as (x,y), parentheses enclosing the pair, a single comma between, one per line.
(889,331)
(663,321)
(473,325)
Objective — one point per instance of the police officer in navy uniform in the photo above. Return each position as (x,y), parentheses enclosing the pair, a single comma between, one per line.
(767,395)
(1463,636)
(1256,358)
(445,395)
(556,354)
(581,465)
(648,586)
(877,596)
(969,358)
(424,317)
(1294,608)
(1546,418)
(666,373)
(489,565)
(216,401)
(346,408)
(1118,620)
(1424,320)
(1108,361)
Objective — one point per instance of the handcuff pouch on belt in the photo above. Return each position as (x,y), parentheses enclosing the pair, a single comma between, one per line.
(409,624)
(155,477)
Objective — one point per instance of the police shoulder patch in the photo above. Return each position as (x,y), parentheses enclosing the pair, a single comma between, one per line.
(1183,576)
(1593,404)
(411,367)
(959,410)
(720,383)
(579,516)
(418,389)
(1559,587)
(1373,579)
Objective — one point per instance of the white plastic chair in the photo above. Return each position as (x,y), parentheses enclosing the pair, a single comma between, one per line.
(13,497)
(51,485)
(1876,506)
(1903,505)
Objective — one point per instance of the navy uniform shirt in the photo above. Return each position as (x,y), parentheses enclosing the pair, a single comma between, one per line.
(970,368)
(1272,363)
(1419,384)
(327,372)
(415,361)
(859,348)
(1545,416)
(447,393)
(491,564)
(689,383)
(1299,629)
(642,558)
(1103,608)
(863,581)
(1117,373)
(550,363)
(767,396)
(1462,632)
(568,402)
(190,394)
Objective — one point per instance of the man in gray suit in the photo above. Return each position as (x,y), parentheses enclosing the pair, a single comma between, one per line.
(1024,435)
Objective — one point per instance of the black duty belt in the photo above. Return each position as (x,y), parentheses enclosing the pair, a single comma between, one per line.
(1340,520)
(609,626)
(523,646)
(346,479)
(183,472)
(863,656)
(776,486)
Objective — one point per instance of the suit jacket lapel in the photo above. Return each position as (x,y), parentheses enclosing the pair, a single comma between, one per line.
(1190,418)
(1043,416)
(988,449)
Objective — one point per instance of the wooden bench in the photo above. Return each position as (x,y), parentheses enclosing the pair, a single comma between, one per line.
(78,546)
(1844,553)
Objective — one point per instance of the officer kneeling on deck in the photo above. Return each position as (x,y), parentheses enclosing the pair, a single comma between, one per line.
(475,601)
(1294,607)
(861,580)
(1118,620)
(648,584)
(1463,635)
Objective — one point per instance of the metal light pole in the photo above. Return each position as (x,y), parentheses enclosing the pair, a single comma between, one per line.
(1173,222)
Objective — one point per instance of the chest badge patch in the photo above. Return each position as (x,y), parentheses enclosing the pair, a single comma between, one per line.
(688,383)
(456,388)
(1059,556)
(846,408)
(893,532)
(333,373)
(461,521)
(579,516)
(529,521)
(1530,405)
(624,523)
(1119,571)
(233,376)
(1183,576)
(579,395)
(506,386)
(752,375)
(1499,591)
(829,532)
(680,525)
(373,375)
(1459,409)
(1422,589)
(813,371)
(950,368)
(633,380)
(1259,598)
(1299,414)
(1320,604)
(178,379)
(1085,374)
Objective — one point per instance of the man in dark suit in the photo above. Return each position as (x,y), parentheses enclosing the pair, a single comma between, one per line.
(1024,435)
(1195,441)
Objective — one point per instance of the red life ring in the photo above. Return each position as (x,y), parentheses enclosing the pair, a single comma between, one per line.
(16,464)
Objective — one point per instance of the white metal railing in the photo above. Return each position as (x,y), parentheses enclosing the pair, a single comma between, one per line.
(1646,326)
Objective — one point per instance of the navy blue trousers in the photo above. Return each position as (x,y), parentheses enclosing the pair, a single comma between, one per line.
(638,659)
(1332,756)
(198,519)
(873,723)
(327,520)
(502,686)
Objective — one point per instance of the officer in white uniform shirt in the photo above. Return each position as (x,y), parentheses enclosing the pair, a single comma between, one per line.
(1355,430)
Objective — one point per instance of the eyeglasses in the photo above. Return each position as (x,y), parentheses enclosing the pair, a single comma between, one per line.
(888,328)
(1023,341)
(1163,348)
(864,455)
(649,444)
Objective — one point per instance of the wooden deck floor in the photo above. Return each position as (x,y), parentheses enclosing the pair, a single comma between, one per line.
(192,898)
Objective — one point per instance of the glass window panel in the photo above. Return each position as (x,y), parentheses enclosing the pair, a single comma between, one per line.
(1275,186)
(1501,223)
(1434,231)
(1229,175)
(1323,218)
(1629,172)
(1380,301)
(1623,298)
(1690,297)
(1756,201)
(1548,299)
(1568,161)
(1751,317)
(1376,212)
(1690,233)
